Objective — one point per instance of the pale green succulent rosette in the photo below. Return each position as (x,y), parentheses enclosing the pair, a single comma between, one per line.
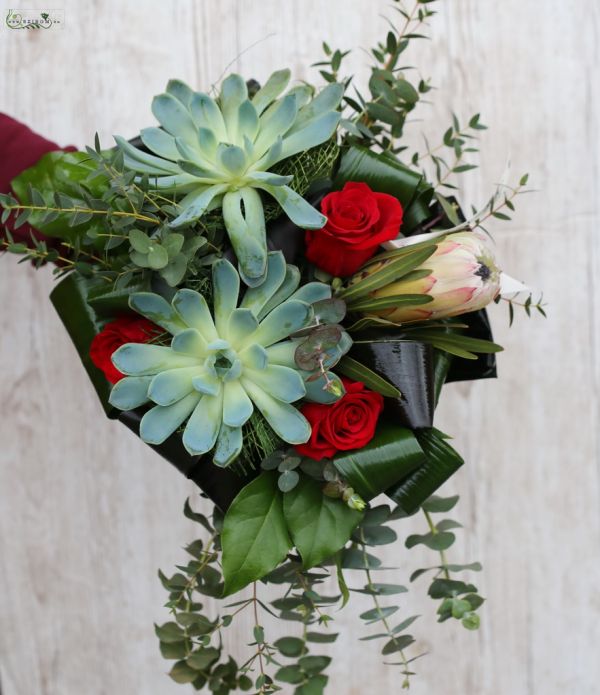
(218,153)
(221,365)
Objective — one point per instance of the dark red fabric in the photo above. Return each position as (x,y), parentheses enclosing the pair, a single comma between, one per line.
(21,148)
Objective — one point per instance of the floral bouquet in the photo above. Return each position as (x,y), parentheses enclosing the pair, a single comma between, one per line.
(270,291)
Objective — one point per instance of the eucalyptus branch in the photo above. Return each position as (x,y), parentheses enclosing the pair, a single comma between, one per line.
(81,210)
(459,599)
(383,619)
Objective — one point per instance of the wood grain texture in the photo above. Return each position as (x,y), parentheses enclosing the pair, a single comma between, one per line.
(89,513)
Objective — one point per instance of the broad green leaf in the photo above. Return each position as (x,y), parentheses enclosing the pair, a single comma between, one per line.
(319,525)
(255,538)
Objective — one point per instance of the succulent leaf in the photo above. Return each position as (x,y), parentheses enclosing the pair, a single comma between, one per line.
(160,422)
(130,392)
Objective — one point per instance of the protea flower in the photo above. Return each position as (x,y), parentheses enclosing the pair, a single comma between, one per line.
(220,366)
(463,277)
(219,152)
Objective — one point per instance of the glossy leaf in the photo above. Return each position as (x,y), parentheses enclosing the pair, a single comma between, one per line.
(255,537)
(441,461)
(392,454)
(319,525)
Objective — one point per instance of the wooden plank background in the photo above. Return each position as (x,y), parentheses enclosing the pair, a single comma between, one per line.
(89,513)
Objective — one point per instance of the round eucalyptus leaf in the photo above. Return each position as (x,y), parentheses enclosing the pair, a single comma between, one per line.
(157,257)
(330,310)
(139,241)
(272,461)
(289,463)
(288,481)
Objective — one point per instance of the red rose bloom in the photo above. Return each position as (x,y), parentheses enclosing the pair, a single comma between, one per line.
(127,329)
(358,221)
(349,423)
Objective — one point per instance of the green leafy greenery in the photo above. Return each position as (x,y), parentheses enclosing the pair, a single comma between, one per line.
(459,600)
(193,637)
(106,222)
(377,118)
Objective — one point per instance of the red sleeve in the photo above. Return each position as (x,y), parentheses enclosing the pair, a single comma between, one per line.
(21,148)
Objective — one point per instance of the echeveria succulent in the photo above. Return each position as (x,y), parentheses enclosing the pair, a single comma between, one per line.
(220,366)
(220,152)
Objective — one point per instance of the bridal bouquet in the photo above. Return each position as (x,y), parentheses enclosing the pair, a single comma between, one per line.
(270,290)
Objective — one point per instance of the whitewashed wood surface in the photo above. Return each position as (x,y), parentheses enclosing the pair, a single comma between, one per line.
(89,513)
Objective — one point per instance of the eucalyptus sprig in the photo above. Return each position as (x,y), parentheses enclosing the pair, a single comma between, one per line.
(529,305)
(458,141)
(460,600)
(379,117)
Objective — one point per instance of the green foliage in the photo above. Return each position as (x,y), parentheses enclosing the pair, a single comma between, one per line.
(459,600)
(374,531)
(458,141)
(319,526)
(528,306)
(108,223)
(169,253)
(378,118)
(193,639)
(255,536)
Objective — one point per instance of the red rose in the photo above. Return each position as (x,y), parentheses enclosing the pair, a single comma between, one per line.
(346,424)
(127,329)
(358,221)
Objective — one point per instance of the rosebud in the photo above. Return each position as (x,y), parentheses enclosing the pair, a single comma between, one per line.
(464,277)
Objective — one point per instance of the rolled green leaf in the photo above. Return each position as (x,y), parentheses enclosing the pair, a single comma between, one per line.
(409,367)
(441,462)
(392,455)
(70,299)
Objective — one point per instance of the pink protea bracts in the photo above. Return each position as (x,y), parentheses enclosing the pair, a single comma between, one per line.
(464,277)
